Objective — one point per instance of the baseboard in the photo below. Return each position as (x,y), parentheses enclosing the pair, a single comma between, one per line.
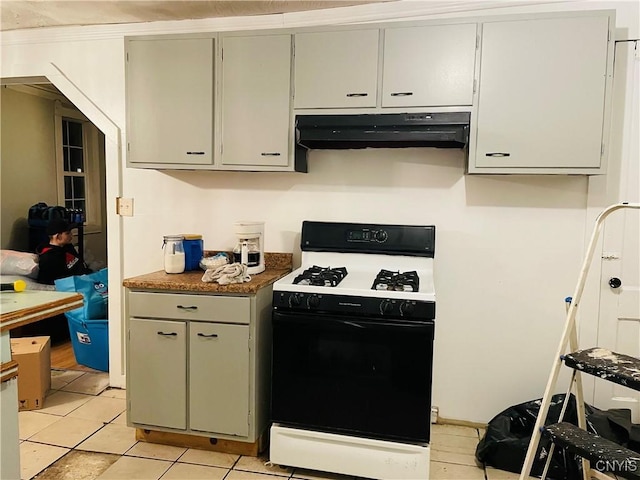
(204,443)
(462,423)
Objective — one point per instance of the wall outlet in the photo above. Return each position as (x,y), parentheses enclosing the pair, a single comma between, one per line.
(434,414)
(124,206)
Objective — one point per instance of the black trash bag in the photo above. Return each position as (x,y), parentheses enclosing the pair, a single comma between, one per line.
(508,434)
(614,425)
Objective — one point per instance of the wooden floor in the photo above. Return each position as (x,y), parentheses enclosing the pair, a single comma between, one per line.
(62,358)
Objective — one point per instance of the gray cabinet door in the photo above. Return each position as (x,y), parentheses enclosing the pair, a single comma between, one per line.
(542,94)
(429,66)
(256,99)
(170,101)
(219,378)
(336,69)
(158,379)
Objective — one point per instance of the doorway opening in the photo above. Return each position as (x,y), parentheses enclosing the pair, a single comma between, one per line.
(109,147)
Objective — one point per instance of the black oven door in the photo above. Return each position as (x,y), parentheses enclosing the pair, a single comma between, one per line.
(364,377)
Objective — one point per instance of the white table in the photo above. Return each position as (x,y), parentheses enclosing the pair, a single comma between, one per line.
(17,309)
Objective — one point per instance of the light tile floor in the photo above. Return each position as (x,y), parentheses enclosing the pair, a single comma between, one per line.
(81,434)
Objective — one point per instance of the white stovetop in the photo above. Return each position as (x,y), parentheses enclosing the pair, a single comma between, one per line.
(362,270)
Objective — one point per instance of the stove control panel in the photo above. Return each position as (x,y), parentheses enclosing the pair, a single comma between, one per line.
(386,307)
(401,308)
(327,304)
(313,301)
(295,300)
(367,235)
(407,308)
(413,240)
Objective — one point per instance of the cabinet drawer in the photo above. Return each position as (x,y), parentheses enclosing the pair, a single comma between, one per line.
(190,307)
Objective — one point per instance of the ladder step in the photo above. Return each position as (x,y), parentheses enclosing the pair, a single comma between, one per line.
(604,455)
(614,367)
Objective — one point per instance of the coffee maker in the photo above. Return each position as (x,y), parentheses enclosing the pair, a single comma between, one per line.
(250,247)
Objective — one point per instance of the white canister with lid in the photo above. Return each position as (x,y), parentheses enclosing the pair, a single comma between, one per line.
(174,258)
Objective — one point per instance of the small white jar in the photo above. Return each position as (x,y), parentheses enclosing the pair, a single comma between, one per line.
(174,258)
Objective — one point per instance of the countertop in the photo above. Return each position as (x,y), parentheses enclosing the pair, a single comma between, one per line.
(22,308)
(277,265)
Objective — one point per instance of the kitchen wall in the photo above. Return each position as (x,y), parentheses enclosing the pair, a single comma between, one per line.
(28,171)
(508,248)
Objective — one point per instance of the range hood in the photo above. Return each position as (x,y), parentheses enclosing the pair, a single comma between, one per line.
(386,130)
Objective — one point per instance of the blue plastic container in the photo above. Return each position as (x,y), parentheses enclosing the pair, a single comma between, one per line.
(193,250)
(90,340)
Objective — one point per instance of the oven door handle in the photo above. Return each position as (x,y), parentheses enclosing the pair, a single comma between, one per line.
(381,324)
(353,324)
(317,320)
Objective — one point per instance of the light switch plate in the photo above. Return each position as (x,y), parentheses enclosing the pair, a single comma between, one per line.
(124,206)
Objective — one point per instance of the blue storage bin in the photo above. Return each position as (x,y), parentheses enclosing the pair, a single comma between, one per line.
(90,340)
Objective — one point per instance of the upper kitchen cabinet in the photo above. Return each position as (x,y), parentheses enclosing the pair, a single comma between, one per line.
(542,95)
(255,102)
(170,102)
(336,69)
(429,66)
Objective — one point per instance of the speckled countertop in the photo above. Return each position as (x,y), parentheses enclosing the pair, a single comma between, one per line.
(277,265)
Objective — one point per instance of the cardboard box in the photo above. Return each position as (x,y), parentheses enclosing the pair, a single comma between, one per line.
(33,355)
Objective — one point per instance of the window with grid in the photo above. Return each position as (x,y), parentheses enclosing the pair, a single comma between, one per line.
(78,165)
(73,154)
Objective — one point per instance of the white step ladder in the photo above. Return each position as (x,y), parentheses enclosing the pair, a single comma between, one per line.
(606,456)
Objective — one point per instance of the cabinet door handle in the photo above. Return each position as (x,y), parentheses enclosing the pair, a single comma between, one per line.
(401,94)
(270,154)
(213,335)
(170,334)
(188,309)
(357,94)
(195,153)
(497,154)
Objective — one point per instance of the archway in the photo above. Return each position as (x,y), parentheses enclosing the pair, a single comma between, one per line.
(50,73)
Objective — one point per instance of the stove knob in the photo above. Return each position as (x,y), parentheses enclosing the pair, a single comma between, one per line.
(313,302)
(294,300)
(380,236)
(406,309)
(386,307)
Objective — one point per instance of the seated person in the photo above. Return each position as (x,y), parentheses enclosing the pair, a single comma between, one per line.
(59,258)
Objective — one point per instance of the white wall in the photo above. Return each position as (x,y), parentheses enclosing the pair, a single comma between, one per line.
(28,171)
(508,247)
(27,150)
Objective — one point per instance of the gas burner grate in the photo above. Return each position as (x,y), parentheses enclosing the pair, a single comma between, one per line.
(321,276)
(402,282)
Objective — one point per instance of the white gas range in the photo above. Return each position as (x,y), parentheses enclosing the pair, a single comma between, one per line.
(353,332)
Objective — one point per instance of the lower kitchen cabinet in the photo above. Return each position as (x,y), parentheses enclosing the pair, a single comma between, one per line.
(199,364)
(219,378)
(157,355)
